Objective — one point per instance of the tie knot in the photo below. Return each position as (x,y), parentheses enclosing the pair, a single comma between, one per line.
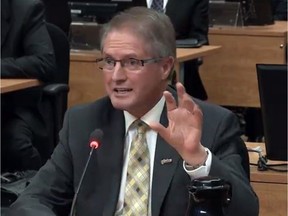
(157,5)
(141,126)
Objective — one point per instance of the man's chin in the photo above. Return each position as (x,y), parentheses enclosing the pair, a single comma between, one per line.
(121,105)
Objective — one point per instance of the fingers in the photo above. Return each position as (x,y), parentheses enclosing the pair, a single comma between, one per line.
(185,100)
(170,101)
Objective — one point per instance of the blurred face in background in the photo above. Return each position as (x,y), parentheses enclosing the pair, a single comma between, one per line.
(135,89)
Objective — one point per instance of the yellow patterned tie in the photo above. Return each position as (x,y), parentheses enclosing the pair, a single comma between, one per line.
(136,199)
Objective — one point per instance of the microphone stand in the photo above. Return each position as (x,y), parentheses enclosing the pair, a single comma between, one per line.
(80,183)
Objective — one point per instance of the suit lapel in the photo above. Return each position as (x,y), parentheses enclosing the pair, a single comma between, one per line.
(108,159)
(165,163)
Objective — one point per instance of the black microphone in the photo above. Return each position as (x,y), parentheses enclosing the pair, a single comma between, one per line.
(94,142)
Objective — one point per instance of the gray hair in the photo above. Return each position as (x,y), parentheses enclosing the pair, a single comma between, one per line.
(153,27)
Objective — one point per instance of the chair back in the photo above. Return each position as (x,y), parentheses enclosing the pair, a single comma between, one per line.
(56,93)
(62,52)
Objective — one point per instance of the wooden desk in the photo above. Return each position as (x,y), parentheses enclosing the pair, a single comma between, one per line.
(185,54)
(270,186)
(86,79)
(230,77)
(9,85)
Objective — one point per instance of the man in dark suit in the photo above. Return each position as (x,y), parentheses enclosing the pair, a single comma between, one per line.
(189,17)
(190,20)
(186,138)
(26,52)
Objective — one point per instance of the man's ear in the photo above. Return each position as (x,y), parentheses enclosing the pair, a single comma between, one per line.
(168,65)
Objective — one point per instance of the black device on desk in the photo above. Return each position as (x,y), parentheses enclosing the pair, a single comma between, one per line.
(188,43)
(88,17)
(272,83)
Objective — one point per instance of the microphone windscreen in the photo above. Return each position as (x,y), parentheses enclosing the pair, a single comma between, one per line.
(96,138)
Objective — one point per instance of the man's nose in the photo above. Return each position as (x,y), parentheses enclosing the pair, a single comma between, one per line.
(119,72)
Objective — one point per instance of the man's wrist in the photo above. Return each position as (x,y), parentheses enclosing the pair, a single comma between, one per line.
(196,166)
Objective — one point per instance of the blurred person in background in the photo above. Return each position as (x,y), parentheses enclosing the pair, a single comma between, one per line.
(26,52)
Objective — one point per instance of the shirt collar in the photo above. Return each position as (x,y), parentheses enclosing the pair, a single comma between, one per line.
(152,115)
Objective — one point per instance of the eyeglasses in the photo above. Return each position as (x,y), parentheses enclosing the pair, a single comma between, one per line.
(131,64)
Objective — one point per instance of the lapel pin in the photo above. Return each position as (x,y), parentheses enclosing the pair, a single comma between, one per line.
(166,161)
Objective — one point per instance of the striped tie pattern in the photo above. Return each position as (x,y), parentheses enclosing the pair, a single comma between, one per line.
(157,5)
(138,174)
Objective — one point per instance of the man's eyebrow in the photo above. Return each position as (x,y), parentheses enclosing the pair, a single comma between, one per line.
(106,55)
(131,55)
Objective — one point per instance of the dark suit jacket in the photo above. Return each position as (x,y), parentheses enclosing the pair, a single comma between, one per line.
(26,48)
(190,18)
(52,190)
(26,52)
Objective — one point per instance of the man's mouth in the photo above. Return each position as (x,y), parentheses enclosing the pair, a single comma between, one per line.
(122,90)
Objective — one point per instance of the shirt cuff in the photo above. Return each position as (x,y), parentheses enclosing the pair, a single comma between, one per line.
(202,170)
